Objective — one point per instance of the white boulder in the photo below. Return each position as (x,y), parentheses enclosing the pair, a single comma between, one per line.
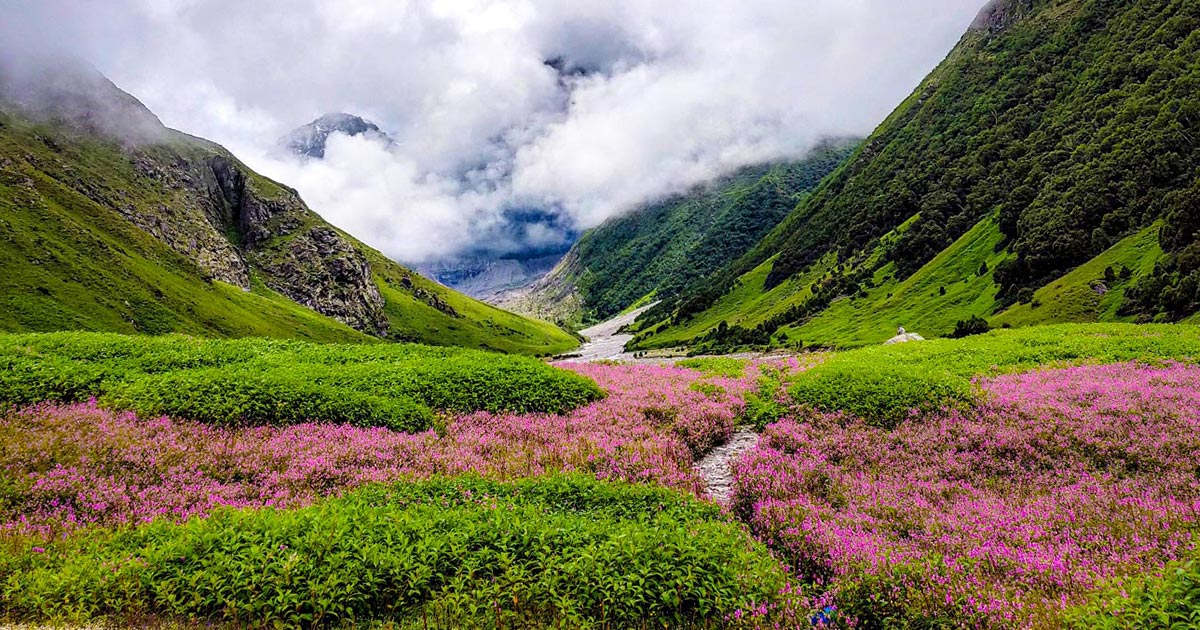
(904,338)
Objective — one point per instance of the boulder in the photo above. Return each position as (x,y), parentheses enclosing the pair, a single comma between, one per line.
(905,338)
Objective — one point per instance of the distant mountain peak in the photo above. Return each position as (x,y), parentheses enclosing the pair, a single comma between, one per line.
(309,140)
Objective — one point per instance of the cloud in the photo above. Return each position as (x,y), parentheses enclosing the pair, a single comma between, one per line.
(572,111)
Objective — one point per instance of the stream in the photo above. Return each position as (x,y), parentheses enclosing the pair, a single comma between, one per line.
(605,344)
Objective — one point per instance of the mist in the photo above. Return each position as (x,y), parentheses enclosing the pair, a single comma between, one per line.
(577,111)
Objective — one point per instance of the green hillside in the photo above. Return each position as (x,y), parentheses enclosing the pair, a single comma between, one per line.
(170,233)
(420,318)
(661,248)
(1051,145)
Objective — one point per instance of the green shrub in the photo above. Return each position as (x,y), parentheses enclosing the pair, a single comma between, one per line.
(881,394)
(566,551)
(715,366)
(262,381)
(1169,600)
(27,380)
(976,325)
(765,405)
(241,396)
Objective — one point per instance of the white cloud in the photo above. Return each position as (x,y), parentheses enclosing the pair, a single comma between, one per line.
(672,93)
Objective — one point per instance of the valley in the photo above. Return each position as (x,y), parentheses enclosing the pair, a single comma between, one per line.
(605,341)
(639,377)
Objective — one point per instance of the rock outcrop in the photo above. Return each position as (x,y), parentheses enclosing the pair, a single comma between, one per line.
(998,15)
(903,338)
(318,268)
(309,262)
(195,197)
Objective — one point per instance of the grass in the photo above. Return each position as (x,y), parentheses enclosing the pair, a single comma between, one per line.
(728,367)
(946,290)
(260,381)
(883,384)
(866,319)
(550,552)
(474,325)
(746,305)
(916,302)
(645,300)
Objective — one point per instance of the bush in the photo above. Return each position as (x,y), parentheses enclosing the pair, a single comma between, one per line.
(248,397)
(1166,601)
(261,381)
(564,551)
(766,403)
(883,395)
(968,327)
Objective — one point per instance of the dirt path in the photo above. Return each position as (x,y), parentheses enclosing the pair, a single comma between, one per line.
(714,468)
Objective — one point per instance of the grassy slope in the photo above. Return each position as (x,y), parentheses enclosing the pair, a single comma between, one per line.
(68,262)
(1072,298)
(915,302)
(480,325)
(746,305)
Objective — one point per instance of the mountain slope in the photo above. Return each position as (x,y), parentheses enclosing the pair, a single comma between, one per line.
(1058,128)
(662,247)
(111,221)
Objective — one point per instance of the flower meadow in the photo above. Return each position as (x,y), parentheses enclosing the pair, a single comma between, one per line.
(67,466)
(1001,516)
(1051,497)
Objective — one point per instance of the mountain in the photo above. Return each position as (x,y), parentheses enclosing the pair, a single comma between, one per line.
(309,140)
(110,221)
(487,277)
(518,249)
(660,248)
(1048,170)
(481,272)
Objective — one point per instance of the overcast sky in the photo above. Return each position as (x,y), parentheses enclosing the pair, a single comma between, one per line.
(659,95)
